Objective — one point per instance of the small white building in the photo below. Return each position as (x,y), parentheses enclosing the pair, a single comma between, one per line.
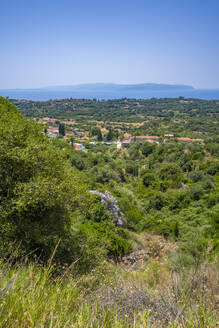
(119,145)
(168,136)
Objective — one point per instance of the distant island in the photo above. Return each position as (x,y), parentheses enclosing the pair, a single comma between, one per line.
(113,87)
(111,91)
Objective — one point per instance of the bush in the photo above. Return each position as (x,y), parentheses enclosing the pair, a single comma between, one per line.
(215,225)
(102,174)
(147,149)
(78,162)
(213,199)
(208,183)
(177,200)
(37,187)
(196,176)
(196,192)
(171,172)
(102,239)
(148,179)
(198,156)
(132,169)
(212,168)
(158,201)
(164,185)
(196,246)
(97,213)
(158,225)
(134,216)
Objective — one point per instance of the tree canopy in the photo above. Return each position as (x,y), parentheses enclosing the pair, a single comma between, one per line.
(37,189)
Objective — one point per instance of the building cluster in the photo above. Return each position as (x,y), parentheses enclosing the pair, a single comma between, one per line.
(74,134)
(127,139)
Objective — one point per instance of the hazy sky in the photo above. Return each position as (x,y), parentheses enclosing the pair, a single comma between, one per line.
(63,42)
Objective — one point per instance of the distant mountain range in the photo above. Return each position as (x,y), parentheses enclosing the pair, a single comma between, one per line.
(111,91)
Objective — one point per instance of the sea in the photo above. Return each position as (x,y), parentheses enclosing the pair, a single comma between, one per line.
(44,94)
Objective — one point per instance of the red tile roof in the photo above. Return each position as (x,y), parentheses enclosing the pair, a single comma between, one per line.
(189,139)
(146,137)
(127,136)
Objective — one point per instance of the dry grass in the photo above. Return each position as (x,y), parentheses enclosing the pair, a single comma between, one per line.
(151,296)
(186,299)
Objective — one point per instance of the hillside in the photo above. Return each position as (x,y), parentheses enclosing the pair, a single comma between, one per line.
(66,260)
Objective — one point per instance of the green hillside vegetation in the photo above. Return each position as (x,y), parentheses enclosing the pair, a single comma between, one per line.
(44,198)
(62,257)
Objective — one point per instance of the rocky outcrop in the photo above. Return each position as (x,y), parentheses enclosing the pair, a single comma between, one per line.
(112,206)
(184,186)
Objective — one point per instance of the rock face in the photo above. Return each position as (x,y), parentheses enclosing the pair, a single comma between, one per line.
(184,186)
(112,206)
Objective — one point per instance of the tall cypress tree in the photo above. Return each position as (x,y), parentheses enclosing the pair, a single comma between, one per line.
(62,129)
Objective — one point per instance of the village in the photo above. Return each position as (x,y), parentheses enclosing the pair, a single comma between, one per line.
(79,138)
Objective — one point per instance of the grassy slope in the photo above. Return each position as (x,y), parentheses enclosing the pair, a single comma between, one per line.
(111,295)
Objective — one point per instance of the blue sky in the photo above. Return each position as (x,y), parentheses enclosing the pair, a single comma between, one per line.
(64,42)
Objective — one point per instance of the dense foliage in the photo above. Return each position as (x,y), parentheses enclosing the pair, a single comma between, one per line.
(43,199)
(172,190)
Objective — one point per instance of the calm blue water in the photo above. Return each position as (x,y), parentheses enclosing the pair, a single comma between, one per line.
(40,94)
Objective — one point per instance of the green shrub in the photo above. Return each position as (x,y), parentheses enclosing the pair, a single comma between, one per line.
(215,225)
(147,149)
(37,186)
(198,156)
(196,246)
(78,162)
(164,185)
(102,174)
(212,168)
(158,201)
(196,176)
(196,192)
(171,172)
(134,216)
(132,169)
(148,179)
(103,239)
(213,199)
(158,225)
(97,212)
(208,183)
